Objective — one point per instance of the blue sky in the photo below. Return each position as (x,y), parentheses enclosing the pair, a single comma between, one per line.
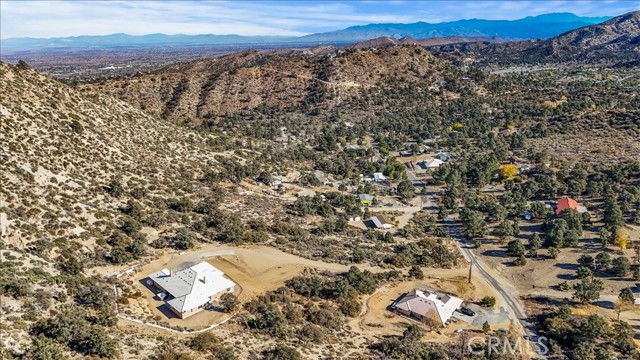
(289,18)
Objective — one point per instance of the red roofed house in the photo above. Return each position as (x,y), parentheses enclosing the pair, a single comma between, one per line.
(565,203)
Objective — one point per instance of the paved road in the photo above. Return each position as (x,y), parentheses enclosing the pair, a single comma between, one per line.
(413,177)
(512,301)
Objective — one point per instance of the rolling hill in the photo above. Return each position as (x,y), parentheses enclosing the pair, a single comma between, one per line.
(292,81)
(61,150)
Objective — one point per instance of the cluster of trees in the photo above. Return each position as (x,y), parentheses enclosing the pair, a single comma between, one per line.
(80,315)
(420,225)
(74,327)
(425,252)
(409,346)
(587,337)
(344,289)
(280,315)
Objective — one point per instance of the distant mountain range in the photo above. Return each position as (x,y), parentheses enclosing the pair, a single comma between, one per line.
(532,27)
(615,42)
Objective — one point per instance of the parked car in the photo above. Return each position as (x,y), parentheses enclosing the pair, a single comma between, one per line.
(467,311)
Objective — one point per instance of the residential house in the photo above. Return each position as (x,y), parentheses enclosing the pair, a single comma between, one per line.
(433,163)
(191,290)
(321,177)
(350,147)
(422,305)
(423,148)
(406,153)
(381,222)
(379,177)
(523,168)
(444,156)
(275,180)
(366,199)
(565,203)
(302,193)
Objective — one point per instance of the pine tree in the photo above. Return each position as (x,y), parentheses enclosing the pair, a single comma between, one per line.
(612,216)
(534,245)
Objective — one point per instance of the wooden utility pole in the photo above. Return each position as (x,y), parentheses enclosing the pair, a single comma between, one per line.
(470,268)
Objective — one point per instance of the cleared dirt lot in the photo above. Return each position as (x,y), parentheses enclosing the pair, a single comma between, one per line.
(376,319)
(258,269)
(255,269)
(540,277)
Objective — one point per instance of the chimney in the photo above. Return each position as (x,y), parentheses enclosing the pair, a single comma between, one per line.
(170,273)
(204,279)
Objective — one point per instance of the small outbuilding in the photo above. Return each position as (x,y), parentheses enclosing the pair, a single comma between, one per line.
(366,199)
(381,222)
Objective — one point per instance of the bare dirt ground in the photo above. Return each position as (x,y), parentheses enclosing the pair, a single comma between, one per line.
(377,320)
(540,277)
(256,270)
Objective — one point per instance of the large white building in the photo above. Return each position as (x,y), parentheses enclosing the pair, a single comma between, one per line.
(190,290)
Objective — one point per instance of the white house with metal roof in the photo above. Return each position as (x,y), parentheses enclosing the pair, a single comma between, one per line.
(379,177)
(190,290)
(433,163)
(422,304)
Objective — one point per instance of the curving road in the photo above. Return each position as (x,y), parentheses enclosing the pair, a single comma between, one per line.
(513,303)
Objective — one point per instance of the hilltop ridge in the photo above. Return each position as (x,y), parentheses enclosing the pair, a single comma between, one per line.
(615,41)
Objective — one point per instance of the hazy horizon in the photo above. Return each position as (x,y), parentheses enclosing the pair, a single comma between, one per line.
(47,19)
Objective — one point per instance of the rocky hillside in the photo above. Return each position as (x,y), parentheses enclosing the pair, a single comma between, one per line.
(614,42)
(193,92)
(434,41)
(63,153)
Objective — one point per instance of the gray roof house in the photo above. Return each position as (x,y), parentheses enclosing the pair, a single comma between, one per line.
(190,290)
(322,178)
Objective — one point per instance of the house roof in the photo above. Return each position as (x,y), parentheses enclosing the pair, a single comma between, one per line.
(380,220)
(319,174)
(565,203)
(379,176)
(422,302)
(385,220)
(193,286)
(433,163)
(376,222)
(363,197)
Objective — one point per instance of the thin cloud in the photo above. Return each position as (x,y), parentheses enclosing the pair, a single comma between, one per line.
(286,18)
